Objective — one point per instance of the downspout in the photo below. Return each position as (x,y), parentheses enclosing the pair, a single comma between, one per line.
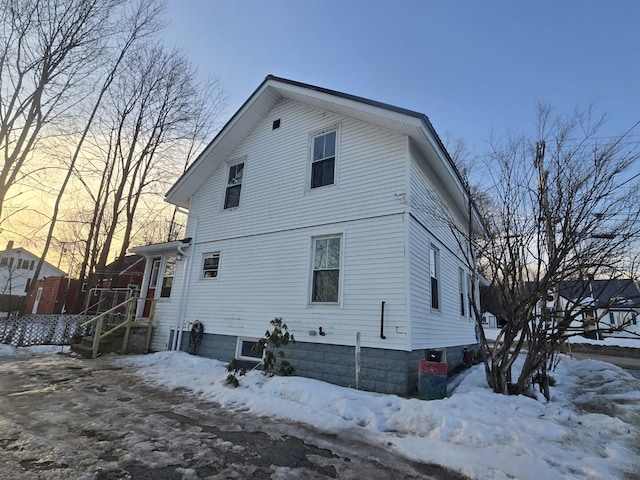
(186,282)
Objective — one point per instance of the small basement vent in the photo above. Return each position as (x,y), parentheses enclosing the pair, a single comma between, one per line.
(276,124)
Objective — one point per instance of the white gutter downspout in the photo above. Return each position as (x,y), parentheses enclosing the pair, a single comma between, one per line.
(186,282)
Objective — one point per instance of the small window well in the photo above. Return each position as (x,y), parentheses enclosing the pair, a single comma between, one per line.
(276,124)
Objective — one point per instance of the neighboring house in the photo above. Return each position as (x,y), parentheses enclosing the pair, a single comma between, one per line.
(113,285)
(125,272)
(17,267)
(604,306)
(333,212)
(54,295)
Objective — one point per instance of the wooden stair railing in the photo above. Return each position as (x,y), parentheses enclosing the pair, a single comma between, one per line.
(99,335)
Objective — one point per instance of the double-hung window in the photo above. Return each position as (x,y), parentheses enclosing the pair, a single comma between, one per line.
(210,265)
(326,270)
(234,185)
(434,273)
(323,159)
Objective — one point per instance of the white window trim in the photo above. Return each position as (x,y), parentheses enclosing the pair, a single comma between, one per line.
(239,355)
(310,302)
(204,256)
(337,127)
(225,184)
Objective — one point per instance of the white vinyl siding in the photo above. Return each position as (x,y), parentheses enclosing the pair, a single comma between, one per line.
(268,242)
(270,278)
(276,196)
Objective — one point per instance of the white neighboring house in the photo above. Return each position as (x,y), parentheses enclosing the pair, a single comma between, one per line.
(17,267)
(327,210)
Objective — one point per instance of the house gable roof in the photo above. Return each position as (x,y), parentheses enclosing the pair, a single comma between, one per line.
(274,89)
(19,252)
(615,293)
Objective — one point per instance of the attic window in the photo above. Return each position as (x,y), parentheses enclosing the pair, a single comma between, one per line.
(276,124)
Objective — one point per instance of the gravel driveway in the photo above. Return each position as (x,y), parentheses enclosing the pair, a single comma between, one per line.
(69,418)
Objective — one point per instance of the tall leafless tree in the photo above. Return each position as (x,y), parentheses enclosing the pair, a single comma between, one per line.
(132,24)
(154,115)
(48,48)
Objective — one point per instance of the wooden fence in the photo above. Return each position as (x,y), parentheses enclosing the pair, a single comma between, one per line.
(42,329)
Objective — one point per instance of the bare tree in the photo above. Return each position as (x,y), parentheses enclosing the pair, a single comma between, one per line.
(564,208)
(47,51)
(127,29)
(156,112)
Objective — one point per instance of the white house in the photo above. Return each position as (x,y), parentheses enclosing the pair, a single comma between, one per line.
(17,267)
(603,306)
(333,212)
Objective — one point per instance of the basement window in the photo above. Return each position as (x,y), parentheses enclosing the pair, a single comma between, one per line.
(245,349)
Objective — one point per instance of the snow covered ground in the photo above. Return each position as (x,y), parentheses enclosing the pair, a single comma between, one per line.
(589,430)
(632,342)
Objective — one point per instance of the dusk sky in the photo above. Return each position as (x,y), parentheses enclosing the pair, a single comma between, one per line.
(473,67)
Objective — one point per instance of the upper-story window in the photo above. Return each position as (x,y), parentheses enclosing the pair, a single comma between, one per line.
(323,160)
(234,185)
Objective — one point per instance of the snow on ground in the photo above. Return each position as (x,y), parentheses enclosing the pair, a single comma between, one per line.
(609,341)
(492,334)
(588,430)
(11,351)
